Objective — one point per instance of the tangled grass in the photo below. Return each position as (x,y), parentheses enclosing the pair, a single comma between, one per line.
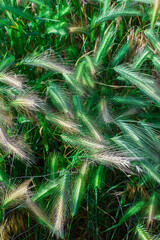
(79,119)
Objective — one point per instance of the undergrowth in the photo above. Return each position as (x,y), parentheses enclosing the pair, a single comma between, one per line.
(79,119)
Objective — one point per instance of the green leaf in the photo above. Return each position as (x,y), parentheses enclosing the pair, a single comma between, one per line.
(17,11)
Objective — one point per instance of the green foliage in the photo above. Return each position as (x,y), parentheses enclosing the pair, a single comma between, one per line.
(79,119)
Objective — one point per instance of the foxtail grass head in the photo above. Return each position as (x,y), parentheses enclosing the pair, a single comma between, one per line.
(17,195)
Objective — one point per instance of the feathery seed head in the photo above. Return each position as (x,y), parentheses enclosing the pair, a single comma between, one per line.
(17,195)
(20,149)
(27,102)
(113,159)
(47,62)
(42,217)
(11,79)
(66,124)
(105,113)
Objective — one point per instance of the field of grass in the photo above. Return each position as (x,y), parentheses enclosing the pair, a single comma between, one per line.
(79,119)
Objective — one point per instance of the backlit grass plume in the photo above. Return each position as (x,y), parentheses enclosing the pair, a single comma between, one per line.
(39,214)
(45,61)
(61,206)
(144,83)
(63,122)
(107,118)
(27,102)
(14,147)
(11,79)
(17,194)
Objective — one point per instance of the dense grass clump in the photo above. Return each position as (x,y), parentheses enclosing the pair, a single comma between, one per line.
(79,119)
